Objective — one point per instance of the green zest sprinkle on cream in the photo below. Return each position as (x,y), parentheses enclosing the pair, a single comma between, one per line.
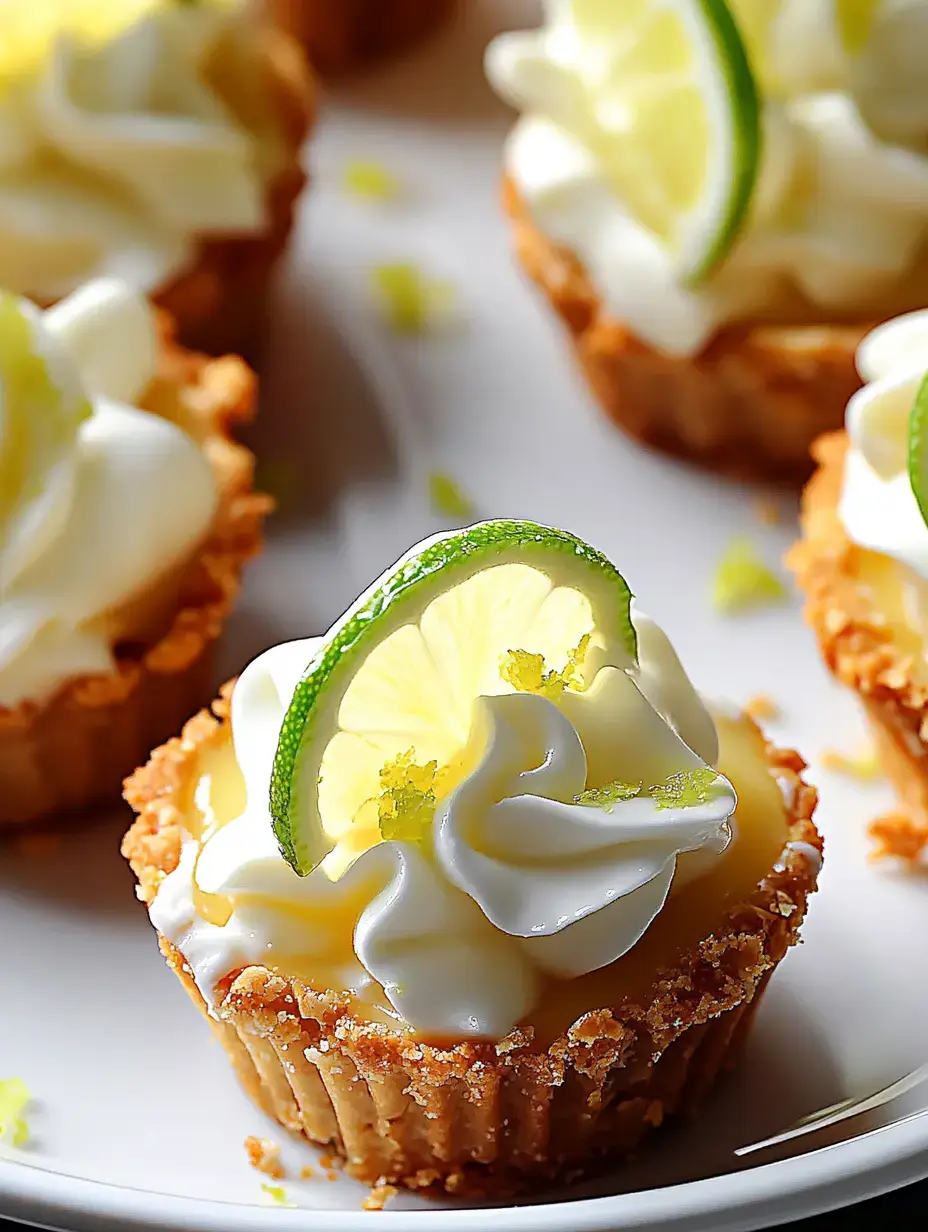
(609,795)
(526,671)
(409,299)
(277,1194)
(685,788)
(14,1098)
(742,580)
(447,499)
(369,180)
(407,801)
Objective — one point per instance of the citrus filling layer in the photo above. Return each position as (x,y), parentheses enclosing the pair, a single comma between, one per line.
(217,796)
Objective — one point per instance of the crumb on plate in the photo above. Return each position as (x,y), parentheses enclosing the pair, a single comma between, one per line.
(378,1197)
(762,707)
(768,511)
(899,837)
(264,1156)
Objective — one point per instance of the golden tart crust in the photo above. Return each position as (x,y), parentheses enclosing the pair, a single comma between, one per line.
(477,1116)
(71,751)
(749,405)
(354,34)
(858,644)
(219,302)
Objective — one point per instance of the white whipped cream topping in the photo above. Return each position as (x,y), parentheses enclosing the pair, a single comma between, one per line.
(839,219)
(878,507)
(115,158)
(520,882)
(99,499)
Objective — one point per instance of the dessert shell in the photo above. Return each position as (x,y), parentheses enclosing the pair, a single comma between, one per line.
(219,303)
(749,405)
(858,644)
(351,35)
(70,752)
(473,1116)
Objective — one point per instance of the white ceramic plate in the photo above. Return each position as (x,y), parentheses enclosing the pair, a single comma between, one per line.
(137,1122)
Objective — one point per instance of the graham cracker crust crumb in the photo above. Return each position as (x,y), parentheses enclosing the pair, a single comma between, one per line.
(763,707)
(307,1172)
(264,1156)
(378,1198)
(898,837)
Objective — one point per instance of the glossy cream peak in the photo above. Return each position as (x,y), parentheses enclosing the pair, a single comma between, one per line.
(97,498)
(521,877)
(878,507)
(838,223)
(118,152)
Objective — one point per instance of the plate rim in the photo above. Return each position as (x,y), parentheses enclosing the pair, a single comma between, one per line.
(828,1177)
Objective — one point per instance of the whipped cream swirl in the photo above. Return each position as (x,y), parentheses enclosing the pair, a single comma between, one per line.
(519,881)
(98,499)
(838,226)
(878,507)
(115,158)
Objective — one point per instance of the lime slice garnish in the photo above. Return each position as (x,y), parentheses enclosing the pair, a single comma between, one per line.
(391,689)
(918,448)
(680,116)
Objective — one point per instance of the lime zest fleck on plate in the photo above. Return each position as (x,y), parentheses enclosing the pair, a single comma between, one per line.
(411,300)
(526,672)
(277,1194)
(863,764)
(609,795)
(370,180)
(685,788)
(742,580)
(14,1099)
(446,497)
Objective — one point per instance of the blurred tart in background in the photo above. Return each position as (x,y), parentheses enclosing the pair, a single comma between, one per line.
(126,516)
(155,142)
(719,200)
(343,36)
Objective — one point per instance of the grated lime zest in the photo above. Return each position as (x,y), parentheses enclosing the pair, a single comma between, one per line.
(526,672)
(447,498)
(277,1194)
(407,802)
(684,788)
(410,299)
(609,795)
(370,180)
(14,1099)
(742,580)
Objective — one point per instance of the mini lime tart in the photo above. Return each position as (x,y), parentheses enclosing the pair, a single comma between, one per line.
(126,515)
(863,563)
(154,141)
(720,198)
(475,890)
(353,35)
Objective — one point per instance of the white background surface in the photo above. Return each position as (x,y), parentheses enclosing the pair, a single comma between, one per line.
(130,1090)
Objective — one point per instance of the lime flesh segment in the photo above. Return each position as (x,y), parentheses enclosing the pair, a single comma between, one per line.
(918,448)
(402,668)
(674,114)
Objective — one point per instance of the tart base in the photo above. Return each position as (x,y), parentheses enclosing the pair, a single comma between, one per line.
(749,405)
(71,752)
(484,1117)
(219,303)
(350,35)
(858,645)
